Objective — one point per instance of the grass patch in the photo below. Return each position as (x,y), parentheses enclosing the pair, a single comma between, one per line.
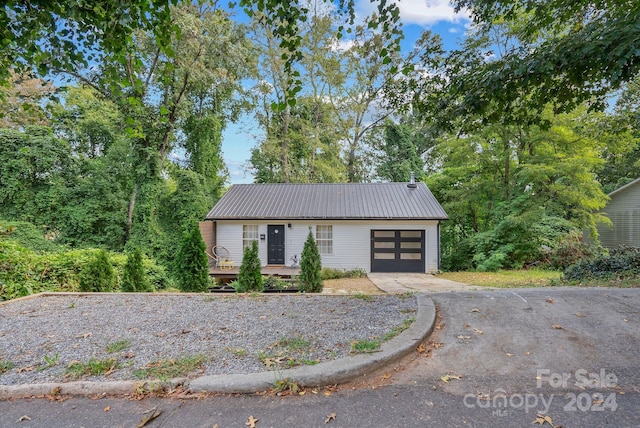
(167,369)
(293,343)
(362,296)
(118,346)
(5,366)
(92,367)
(505,278)
(364,346)
(397,330)
(238,352)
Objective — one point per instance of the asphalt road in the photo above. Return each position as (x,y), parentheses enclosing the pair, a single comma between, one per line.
(497,359)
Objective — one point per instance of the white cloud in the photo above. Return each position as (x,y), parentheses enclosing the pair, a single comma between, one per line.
(419,12)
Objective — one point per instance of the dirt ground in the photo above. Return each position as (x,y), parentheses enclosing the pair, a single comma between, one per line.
(350,286)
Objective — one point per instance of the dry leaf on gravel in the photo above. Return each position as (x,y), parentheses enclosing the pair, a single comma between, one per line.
(331,417)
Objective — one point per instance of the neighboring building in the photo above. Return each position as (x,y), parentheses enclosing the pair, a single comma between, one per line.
(378,227)
(623,210)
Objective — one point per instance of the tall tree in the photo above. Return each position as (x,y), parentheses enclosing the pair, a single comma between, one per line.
(569,52)
(21,100)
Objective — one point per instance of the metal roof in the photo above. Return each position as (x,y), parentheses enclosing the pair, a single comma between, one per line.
(626,186)
(328,201)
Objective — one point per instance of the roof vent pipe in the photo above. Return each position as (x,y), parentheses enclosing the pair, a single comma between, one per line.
(412,184)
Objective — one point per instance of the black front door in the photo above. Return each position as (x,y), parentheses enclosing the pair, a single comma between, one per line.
(275,245)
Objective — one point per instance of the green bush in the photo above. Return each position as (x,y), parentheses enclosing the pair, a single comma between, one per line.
(310,280)
(249,276)
(134,278)
(332,273)
(191,264)
(569,250)
(24,271)
(620,262)
(29,236)
(98,274)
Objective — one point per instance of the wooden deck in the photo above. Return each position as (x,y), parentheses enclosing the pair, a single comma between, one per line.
(229,274)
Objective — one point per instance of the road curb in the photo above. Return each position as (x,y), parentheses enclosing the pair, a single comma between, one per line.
(329,373)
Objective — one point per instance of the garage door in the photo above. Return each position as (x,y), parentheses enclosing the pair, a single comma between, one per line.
(397,251)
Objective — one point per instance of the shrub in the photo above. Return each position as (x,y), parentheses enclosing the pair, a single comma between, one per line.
(331,273)
(28,235)
(98,274)
(134,278)
(621,262)
(310,267)
(249,276)
(192,265)
(569,250)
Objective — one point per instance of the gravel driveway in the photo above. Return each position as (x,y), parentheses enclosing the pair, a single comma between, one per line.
(41,337)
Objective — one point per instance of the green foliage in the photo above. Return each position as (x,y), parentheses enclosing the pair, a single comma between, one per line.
(619,263)
(134,278)
(310,280)
(569,250)
(171,368)
(29,236)
(98,274)
(93,367)
(5,366)
(249,276)
(331,273)
(192,264)
(512,193)
(400,155)
(565,53)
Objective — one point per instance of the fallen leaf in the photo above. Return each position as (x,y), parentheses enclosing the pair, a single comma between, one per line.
(438,345)
(477,330)
(474,310)
(542,419)
(446,378)
(466,325)
(314,391)
(421,348)
(386,376)
(327,393)
(579,314)
(509,355)
(83,336)
(153,413)
(461,337)
(625,320)
(251,422)
(24,418)
(439,326)
(331,417)
(550,300)
(557,327)
(106,409)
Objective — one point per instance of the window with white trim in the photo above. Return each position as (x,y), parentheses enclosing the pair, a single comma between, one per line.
(324,238)
(249,234)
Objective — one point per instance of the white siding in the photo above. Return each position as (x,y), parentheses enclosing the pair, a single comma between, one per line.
(351,240)
(624,212)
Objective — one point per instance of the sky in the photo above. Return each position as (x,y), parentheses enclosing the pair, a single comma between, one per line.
(416,15)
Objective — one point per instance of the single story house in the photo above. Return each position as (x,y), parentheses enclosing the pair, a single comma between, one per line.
(623,210)
(377,227)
